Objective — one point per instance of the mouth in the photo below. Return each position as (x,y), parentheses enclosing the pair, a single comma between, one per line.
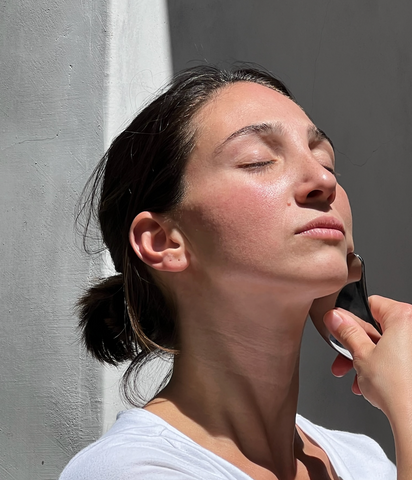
(325,227)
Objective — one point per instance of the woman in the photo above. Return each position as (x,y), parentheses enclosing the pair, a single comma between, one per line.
(222,214)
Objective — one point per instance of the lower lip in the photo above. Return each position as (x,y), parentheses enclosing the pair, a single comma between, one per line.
(323,233)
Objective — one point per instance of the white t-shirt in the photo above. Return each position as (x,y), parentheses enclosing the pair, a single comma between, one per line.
(142,446)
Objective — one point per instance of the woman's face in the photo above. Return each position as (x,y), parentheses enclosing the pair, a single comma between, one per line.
(262,203)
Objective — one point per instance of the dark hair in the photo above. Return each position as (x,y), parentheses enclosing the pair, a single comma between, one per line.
(126,316)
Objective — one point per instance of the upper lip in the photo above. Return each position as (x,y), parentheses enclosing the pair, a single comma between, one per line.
(323,222)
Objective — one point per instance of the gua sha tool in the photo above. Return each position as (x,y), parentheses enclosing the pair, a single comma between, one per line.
(353,297)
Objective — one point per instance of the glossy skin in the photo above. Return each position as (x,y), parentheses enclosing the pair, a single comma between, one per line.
(263,230)
(246,200)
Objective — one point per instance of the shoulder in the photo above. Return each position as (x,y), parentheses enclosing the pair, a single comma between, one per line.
(136,447)
(352,453)
(142,446)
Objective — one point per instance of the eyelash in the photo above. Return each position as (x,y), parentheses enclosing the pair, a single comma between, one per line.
(269,163)
(257,165)
(332,171)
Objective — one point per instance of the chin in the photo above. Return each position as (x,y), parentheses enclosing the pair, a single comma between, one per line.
(328,274)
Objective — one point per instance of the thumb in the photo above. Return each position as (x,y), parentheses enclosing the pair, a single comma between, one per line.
(347,329)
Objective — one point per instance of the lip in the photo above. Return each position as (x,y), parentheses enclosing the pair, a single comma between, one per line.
(323,226)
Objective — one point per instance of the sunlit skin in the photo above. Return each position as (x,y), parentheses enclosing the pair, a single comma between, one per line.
(246,200)
(263,229)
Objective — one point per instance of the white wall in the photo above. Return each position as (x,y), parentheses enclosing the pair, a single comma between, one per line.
(51,87)
(138,64)
(72,72)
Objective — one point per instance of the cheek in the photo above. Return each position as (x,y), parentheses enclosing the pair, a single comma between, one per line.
(228,220)
(342,205)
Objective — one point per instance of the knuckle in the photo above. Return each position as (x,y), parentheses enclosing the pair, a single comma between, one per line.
(407,310)
(389,310)
(401,314)
(374,298)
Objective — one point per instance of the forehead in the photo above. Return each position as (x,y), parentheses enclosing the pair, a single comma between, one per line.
(242,104)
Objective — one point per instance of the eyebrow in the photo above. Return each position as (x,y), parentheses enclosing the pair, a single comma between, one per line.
(259,129)
(254,129)
(315,134)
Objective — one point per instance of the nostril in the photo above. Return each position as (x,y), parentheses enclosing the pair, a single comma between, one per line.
(314,193)
(332,197)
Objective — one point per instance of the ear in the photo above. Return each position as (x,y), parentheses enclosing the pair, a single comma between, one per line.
(157,243)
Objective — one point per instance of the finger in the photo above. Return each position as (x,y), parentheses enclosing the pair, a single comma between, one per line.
(369,329)
(341,366)
(388,311)
(348,332)
(355,386)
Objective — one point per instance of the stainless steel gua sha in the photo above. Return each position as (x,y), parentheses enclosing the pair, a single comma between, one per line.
(353,297)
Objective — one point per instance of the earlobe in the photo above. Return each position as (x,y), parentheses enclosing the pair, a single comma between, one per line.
(157,243)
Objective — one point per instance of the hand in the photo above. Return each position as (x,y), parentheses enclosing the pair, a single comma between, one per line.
(383,364)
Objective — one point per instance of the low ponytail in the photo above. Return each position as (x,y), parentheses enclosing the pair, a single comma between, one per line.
(104,322)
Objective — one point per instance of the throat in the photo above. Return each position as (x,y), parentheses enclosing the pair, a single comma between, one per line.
(302,459)
(247,420)
(234,388)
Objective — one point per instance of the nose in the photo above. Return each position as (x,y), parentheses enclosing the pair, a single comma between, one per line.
(316,186)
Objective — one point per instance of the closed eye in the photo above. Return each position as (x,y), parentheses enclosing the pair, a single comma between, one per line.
(332,171)
(257,165)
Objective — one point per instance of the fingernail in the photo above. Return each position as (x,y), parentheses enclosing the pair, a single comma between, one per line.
(335,321)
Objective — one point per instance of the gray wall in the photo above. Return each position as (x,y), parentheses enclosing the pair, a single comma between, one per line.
(349,65)
(52,58)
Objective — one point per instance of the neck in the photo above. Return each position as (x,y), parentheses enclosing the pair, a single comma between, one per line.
(236,378)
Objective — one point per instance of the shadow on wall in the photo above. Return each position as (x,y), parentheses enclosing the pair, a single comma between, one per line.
(341,61)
